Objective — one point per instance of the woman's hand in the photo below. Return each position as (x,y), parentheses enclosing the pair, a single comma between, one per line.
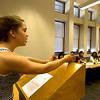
(69,58)
(52,58)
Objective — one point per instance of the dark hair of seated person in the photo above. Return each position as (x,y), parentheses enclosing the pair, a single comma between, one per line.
(77,58)
(72,52)
(94,55)
(60,55)
(81,54)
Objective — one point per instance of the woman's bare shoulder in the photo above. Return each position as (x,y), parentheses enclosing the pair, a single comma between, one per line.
(12,59)
(21,64)
(10,55)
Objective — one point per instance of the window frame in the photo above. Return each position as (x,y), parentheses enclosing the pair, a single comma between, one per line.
(63,6)
(64,33)
(91,15)
(90,38)
(78,38)
(99,42)
(78,11)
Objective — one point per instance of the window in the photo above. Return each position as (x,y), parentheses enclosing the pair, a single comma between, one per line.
(59,38)
(90,14)
(89,39)
(99,40)
(76,11)
(76,37)
(60,6)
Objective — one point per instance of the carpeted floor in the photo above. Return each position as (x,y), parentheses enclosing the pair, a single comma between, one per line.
(92,91)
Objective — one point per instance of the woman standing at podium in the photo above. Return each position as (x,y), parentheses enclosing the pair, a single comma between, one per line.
(13,34)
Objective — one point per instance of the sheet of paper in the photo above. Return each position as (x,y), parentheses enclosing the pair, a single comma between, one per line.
(98,62)
(33,85)
(88,64)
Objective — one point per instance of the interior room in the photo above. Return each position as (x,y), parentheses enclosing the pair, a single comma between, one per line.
(55,27)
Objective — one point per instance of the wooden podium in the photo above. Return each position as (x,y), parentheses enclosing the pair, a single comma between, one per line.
(68,83)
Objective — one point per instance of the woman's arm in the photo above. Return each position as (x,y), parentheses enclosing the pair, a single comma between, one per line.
(37,60)
(34,59)
(23,65)
(52,58)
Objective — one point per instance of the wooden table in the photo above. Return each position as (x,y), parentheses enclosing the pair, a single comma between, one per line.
(92,65)
(92,72)
(68,83)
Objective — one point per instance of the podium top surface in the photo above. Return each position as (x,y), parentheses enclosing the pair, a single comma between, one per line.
(60,76)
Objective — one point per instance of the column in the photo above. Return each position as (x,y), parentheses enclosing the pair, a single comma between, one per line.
(71,25)
(85,30)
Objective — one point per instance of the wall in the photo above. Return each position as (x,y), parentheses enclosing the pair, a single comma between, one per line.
(39,18)
(83,22)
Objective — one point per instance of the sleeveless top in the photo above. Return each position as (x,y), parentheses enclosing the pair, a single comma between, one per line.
(6,85)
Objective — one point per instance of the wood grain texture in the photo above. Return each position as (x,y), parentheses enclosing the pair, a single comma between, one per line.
(68,83)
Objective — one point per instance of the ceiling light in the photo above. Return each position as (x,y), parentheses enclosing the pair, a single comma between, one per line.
(90,5)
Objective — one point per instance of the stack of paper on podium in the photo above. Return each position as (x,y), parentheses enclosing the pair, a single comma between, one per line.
(64,83)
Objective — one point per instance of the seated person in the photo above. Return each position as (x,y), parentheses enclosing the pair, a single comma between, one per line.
(72,52)
(76,57)
(81,57)
(53,57)
(60,55)
(94,57)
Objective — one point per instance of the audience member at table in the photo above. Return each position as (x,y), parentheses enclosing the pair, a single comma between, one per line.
(82,59)
(94,57)
(60,55)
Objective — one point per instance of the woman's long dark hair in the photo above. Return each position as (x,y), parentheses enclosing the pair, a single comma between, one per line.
(8,23)
(94,53)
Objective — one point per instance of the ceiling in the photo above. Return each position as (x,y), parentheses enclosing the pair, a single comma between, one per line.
(85,2)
